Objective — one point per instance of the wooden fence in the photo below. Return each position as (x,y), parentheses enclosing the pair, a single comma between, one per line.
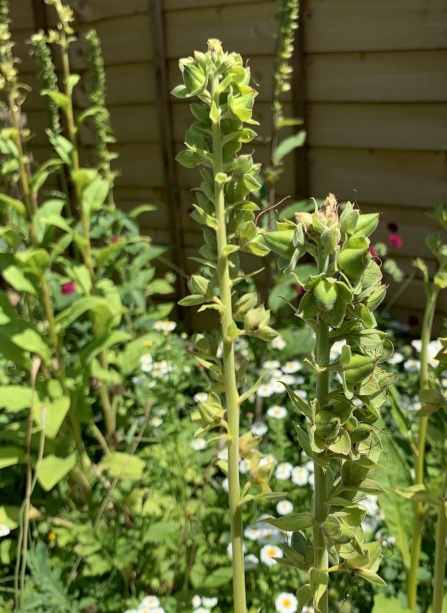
(371,84)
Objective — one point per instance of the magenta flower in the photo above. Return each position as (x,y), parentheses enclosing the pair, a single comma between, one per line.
(299,290)
(114,239)
(395,240)
(68,288)
(373,252)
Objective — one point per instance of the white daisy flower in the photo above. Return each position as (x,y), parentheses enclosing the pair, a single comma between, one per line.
(225,484)
(308,609)
(223,454)
(132,611)
(253,533)
(157,610)
(300,475)
(417,344)
(198,444)
(288,379)
(196,601)
(209,603)
(146,363)
(299,379)
(169,326)
(251,562)
(158,325)
(259,428)
(160,411)
(291,367)
(283,471)
(286,603)
(267,459)
(396,358)
(278,342)
(201,397)
(277,387)
(310,466)
(412,365)
(201,610)
(271,364)
(156,422)
(268,552)
(284,507)
(277,412)
(276,373)
(336,348)
(311,480)
(4,530)
(244,465)
(149,602)
(265,390)
(269,535)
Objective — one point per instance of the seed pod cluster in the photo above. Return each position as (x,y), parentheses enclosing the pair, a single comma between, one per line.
(338,304)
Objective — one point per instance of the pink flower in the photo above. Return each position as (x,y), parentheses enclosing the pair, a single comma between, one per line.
(68,288)
(395,240)
(299,290)
(373,252)
(114,239)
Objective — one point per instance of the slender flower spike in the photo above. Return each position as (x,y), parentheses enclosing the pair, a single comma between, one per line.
(220,85)
(338,304)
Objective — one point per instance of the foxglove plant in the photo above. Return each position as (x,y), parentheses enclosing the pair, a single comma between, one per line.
(432,399)
(339,432)
(222,84)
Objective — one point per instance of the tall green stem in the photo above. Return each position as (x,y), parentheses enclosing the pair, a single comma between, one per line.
(441,534)
(231,393)
(109,415)
(321,559)
(420,453)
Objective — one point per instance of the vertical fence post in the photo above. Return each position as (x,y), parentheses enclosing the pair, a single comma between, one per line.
(299,102)
(165,124)
(40,14)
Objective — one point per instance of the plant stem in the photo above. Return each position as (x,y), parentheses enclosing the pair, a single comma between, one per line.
(441,534)
(109,417)
(321,559)
(420,454)
(231,393)
(32,207)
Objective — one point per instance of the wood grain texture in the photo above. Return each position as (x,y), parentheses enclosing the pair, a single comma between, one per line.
(406,127)
(382,177)
(398,76)
(375,25)
(248,28)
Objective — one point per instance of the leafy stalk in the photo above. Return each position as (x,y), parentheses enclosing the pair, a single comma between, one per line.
(221,83)
(338,305)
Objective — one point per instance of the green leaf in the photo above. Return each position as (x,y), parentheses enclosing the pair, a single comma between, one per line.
(60,99)
(15,398)
(143,208)
(288,145)
(62,146)
(318,584)
(15,204)
(53,469)
(387,604)
(432,400)
(30,340)
(94,348)
(218,577)
(81,306)
(419,493)
(15,277)
(371,577)
(123,465)
(292,523)
(159,532)
(304,594)
(10,455)
(50,415)
(399,513)
(299,403)
(232,332)
(93,196)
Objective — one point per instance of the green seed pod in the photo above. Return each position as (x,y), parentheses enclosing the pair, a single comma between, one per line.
(247,443)
(198,285)
(210,412)
(353,263)
(362,433)
(376,297)
(281,242)
(349,219)
(193,78)
(367,224)
(359,368)
(352,473)
(327,424)
(351,425)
